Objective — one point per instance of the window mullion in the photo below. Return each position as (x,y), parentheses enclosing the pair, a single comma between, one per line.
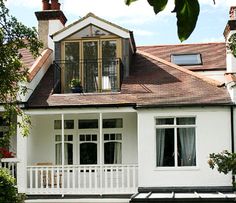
(175,144)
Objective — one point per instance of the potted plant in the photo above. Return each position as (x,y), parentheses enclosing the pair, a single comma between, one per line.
(75,85)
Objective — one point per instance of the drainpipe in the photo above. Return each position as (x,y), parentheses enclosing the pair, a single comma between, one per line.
(232,138)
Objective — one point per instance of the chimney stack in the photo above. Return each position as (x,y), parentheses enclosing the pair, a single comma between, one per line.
(50,20)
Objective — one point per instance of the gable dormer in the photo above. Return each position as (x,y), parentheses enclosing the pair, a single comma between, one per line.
(95,52)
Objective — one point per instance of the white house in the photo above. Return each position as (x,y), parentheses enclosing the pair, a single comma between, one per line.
(142,124)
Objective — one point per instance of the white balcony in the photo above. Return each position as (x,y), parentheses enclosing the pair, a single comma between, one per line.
(82,179)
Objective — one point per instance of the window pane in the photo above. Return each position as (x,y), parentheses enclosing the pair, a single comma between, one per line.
(109,66)
(106,137)
(164,121)
(71,64)
(118,137)
(88,153)
(113,153)
(186,121)
(90,51)
(68,137)
(88,124)
(186,147)
(57,124)
(82,137)
(68,156)
(94,137)
(88,137)
(112,123)
(186,59)
(165,147)
(58,138)
(69,124)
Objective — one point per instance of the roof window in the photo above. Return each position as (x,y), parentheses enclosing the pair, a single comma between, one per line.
(186,59)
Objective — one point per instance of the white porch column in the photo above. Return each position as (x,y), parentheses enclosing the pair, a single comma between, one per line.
(22,157)
(100,152)
(62,151)
(100,140)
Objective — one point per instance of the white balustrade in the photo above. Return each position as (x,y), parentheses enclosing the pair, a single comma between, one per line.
(10,164)
(82,179)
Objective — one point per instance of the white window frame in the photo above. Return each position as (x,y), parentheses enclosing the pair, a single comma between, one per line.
(65,142)
(112,141)
(85,132)
(66,132)
(175,127)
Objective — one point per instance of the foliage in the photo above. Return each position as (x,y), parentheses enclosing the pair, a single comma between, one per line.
(232,44)
(75,83)
(225,162)
(13,37)
(187,12)
(8,190)
(5,153)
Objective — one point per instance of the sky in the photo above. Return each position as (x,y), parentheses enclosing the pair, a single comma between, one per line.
(148,28)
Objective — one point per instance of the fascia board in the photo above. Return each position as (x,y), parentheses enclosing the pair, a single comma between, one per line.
(90,20)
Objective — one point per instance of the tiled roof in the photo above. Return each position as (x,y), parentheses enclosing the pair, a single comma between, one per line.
(27,58)
(153,82)
(33,64)
(38,63)
(213,54)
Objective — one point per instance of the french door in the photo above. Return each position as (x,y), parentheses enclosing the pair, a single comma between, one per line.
(95,62)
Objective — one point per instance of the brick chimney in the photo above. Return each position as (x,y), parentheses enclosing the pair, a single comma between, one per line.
(50,20)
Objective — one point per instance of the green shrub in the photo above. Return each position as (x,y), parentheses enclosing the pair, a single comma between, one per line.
(8,189)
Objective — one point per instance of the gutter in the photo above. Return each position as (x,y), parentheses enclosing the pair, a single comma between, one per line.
(184,105)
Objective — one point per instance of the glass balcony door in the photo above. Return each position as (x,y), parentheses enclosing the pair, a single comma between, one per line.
(90,66)
(71,64)
(94,62)
(109,65)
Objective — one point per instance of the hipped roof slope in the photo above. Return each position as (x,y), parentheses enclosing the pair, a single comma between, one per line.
(213,54)
(152,82)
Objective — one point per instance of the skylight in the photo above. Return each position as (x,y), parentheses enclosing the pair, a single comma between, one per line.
(186,59)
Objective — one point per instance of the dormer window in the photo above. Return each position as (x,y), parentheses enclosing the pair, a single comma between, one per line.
(95,62)
(186,59)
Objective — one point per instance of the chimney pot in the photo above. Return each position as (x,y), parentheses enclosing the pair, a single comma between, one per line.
(55,5)
(46,5)
(232,13)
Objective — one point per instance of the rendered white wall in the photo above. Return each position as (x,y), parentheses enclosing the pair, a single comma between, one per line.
(41,144)
(212,135)
(54,26)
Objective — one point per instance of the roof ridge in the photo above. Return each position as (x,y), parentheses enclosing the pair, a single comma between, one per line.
(161,45)
(197,75)
(90,14)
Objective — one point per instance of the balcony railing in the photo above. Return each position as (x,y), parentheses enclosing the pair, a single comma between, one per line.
(82,179)
(96,75)
(10,164)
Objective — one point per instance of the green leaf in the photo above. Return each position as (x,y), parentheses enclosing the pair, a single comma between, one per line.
(187,12)
(128,2)
(158,5)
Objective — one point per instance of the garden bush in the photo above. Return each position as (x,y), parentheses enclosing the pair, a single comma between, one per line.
(8,189)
